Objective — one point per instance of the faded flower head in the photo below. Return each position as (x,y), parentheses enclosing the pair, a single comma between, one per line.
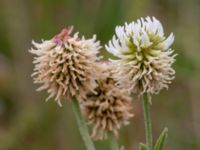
(145,59)
(66,65)
(109,108)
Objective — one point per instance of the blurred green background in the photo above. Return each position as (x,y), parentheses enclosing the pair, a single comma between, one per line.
(28,123)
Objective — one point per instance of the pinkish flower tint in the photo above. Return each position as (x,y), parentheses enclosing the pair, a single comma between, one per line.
(65,66)
(63,36)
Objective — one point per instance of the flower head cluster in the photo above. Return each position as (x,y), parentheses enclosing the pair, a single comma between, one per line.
(66,65)
(109,108)
(145,56)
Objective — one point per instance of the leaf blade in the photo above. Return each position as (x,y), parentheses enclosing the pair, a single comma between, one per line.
(143,147)
(161,140)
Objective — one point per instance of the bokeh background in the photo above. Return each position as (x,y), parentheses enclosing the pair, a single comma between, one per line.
(28,123)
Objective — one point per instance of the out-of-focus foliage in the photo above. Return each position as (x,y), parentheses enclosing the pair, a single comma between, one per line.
(27,122)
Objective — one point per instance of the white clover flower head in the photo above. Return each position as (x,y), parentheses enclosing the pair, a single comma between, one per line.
(145,59)
(66,65)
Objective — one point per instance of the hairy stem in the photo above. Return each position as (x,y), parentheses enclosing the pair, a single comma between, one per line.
(82,125)
(113,143)
(147,121)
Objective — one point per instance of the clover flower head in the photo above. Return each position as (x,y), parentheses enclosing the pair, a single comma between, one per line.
(144,57)
(66,65)
(109,108)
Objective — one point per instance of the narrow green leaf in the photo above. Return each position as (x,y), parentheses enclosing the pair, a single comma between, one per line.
(143,147)
(161,140)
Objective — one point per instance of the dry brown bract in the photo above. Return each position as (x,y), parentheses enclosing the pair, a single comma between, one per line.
(65,65)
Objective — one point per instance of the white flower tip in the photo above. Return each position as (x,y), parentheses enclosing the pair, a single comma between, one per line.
(154,19)
(76,35)
(34,43)
(107,47)
(168,42)
(59,103)
(94,37)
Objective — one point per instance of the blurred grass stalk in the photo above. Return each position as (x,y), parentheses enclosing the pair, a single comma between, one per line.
(17,25)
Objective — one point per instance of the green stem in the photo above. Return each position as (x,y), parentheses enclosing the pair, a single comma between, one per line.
(82,126)
(113,143)
(147,121)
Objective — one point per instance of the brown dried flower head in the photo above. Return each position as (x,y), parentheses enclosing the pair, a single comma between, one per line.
(110,108)
(66,65)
